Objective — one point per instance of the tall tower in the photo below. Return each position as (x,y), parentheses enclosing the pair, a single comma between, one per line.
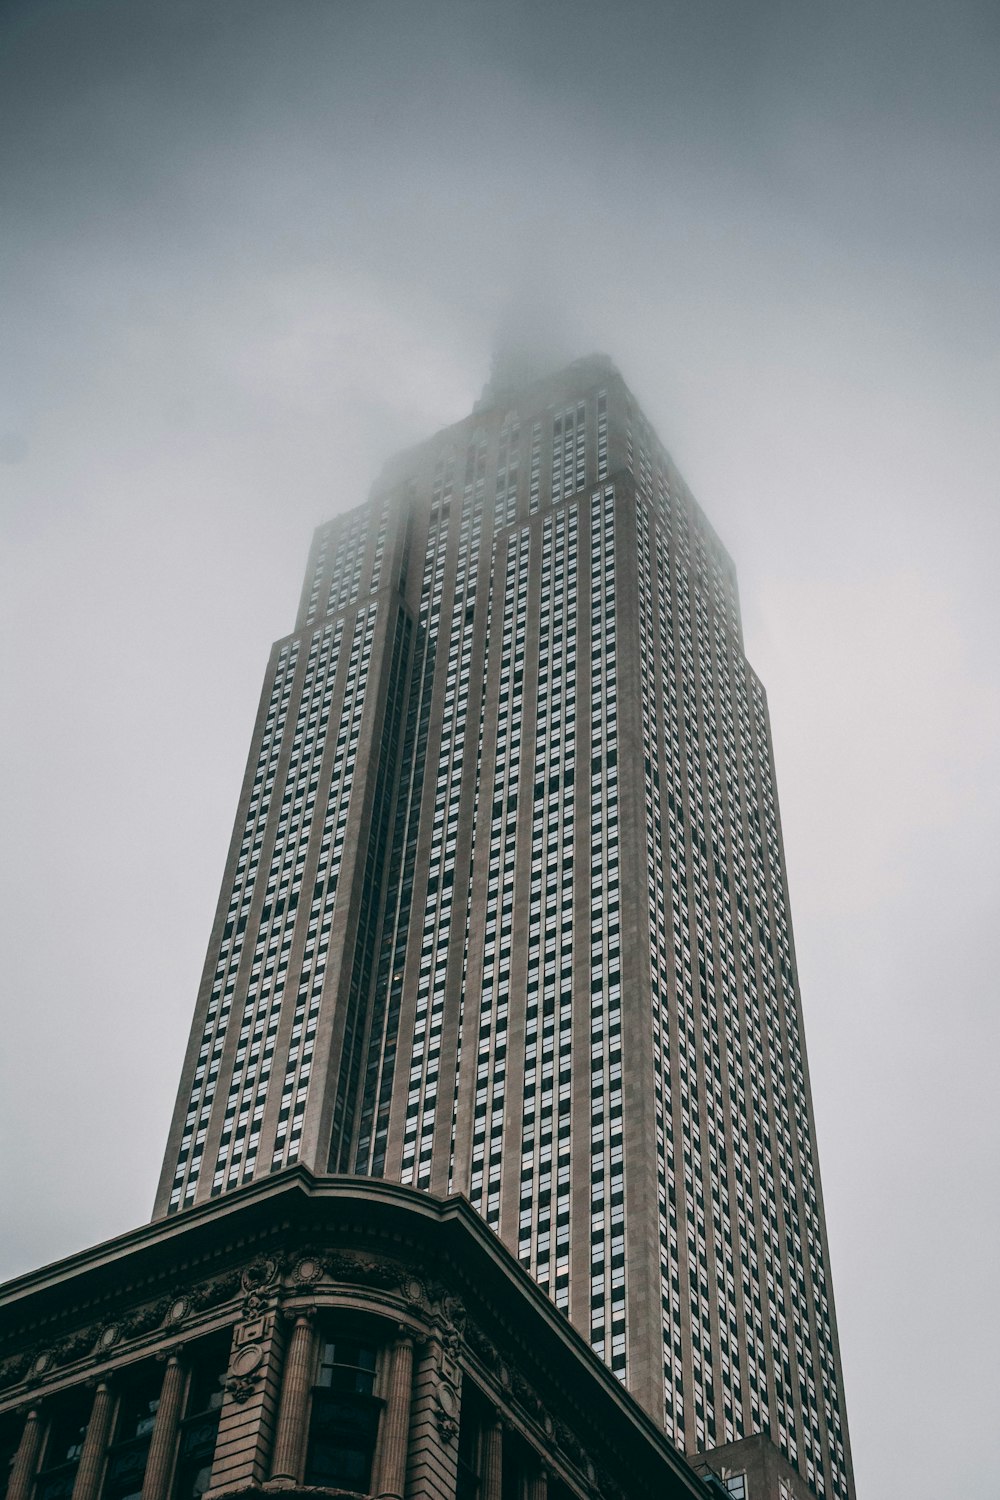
(505,912)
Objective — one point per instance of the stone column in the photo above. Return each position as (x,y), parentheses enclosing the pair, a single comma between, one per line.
(95,1444)
(538,1485)
(293,1412)
(492,1462)
(394,1438)
(163,1441)
(22,1474)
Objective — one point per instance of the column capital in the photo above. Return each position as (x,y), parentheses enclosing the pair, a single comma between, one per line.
(105,1381)
(295,1315)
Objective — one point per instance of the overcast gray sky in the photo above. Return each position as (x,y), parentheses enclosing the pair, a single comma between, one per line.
(248,250)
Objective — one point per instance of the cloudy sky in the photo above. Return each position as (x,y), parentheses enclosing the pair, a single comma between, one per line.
(248,248)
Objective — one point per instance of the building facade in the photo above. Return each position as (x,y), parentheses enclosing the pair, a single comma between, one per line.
(505,914)
(306,1339)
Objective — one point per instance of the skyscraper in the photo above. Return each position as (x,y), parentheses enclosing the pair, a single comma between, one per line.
(505,912)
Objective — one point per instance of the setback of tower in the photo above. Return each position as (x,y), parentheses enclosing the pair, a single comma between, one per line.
(505,912)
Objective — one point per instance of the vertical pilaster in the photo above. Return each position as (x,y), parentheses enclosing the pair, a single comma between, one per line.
(538,1484)
(22,1474)
(290,1436)
(396,1422)
(492,1461)
(162,1444)
(247,1419)
(434,1415)
(95,1444)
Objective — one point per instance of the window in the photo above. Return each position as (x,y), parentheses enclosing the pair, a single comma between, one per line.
(470,1443)
(63,1446)
(133,1429)
(736,1484)
(200,1424)
(345,1415)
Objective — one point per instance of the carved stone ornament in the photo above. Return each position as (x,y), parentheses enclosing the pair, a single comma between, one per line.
(572,1447)
(255,1280)
(482,1346)
(453,1310)
(42,1362)
(260,1272)
(446,1411)
(308,1271)
(413,1291)
(75,1347)
(364,1269)
(245,1372)
(241,1390)
(527,1397)
(145,1319)
(14,1369)
(221,1289)
(178,1310)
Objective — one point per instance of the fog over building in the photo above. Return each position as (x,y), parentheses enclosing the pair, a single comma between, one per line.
(505,915)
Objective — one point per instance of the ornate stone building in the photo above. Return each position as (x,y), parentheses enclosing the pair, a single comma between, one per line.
(315,1337)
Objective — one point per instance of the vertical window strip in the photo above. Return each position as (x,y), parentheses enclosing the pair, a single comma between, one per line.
(208,1062)
(380,1070)
(544,1209)
(436,932)
(608,1331)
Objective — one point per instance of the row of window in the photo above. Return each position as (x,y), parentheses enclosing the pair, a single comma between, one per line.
(728,1275)
(136,1396)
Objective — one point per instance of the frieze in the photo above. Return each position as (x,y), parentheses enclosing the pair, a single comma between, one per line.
(14,1370)
(213,1293)
(98,1340)
(427,1298)
(145,1319)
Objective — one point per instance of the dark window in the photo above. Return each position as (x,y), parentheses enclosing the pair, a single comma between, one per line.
(345,1415)
(475,1415)
(63,1445)
(134,1423)
(347,1365)
(200,1424)
(468,1460)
